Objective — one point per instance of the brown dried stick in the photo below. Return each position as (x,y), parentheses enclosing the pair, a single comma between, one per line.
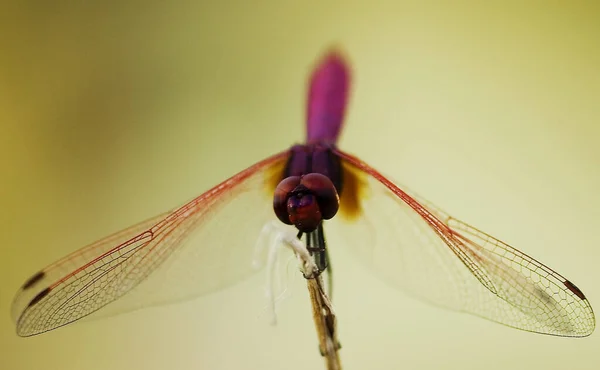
(325,323)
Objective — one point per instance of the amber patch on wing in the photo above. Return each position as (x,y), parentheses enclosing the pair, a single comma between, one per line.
(273,175)
(354,187)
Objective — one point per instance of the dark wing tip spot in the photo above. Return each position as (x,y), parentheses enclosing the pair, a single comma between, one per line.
(39,296)
(34,279)
(574,289)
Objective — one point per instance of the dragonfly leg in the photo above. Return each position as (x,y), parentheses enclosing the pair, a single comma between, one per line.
(329,275)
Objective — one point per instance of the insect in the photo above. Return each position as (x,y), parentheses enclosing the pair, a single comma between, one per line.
(312,187)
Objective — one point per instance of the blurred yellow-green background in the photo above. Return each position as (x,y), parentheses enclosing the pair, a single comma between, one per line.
(112,112)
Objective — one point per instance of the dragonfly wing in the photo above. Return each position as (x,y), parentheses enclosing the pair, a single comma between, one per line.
(204,245)
(437,258)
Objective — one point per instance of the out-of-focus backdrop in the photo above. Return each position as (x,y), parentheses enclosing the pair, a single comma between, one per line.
(112,112)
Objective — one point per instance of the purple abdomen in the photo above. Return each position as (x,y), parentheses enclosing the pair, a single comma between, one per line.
(327,97)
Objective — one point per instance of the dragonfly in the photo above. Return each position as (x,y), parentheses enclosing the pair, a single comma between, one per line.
(206,244)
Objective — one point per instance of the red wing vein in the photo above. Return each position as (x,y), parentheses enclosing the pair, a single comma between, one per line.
(513,288)
(102,278)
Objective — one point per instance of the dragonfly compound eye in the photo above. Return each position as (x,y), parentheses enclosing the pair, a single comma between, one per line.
(324,190)
(281,195)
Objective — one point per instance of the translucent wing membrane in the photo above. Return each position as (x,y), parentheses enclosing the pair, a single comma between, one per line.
(204,245)
(439,259)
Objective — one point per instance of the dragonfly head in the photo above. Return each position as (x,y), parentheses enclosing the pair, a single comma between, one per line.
(305,201)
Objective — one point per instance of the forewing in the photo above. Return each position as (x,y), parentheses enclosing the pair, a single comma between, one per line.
(439,259)
(206,244)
